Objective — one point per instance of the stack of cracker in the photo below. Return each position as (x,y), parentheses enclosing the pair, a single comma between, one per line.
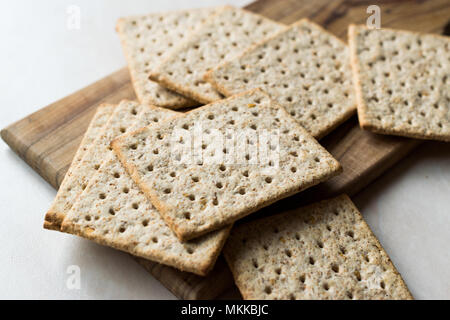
(402,82)
(169,186)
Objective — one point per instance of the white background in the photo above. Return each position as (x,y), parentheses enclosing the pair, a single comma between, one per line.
(42,61)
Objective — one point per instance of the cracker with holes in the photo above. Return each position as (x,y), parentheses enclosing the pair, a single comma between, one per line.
(128,115)
(146,40)
(303,68)
(96,126)
(402,82)
(114,212)
(322,251)
(223,161)
(223,36)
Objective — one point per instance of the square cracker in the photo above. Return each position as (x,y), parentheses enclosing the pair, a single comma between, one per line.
(96,126)
(113,211)
(146,40)
(222,162)
(127,116)
(402,82)
(303,68)
(322,251)
(221,37)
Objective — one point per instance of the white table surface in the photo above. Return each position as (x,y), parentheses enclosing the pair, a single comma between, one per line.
(41,61)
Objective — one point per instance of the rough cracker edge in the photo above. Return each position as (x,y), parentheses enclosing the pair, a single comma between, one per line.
(208,77)
(184,101)
(181,231)
(56,218)
(318,135)
(247,295)
(159,77)
(133,171)
(163,81)
(53,219)
(201,269)
(151,107)
(362,108)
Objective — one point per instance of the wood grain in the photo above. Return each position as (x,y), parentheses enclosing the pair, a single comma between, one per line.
(48,139)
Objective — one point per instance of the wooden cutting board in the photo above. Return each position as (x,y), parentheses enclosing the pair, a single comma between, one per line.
(48,138)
